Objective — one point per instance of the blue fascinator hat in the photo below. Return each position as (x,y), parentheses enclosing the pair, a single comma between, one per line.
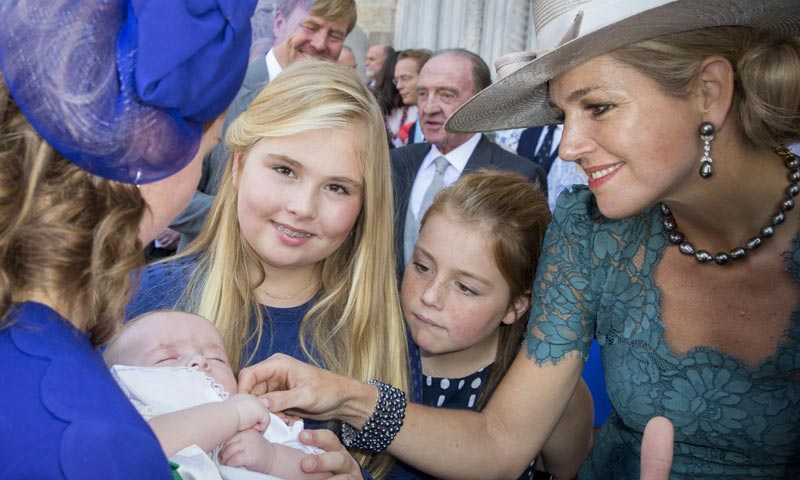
(122,87)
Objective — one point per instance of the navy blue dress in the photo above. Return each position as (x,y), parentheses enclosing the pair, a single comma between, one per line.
(162,285)
(62,415)
(461,393)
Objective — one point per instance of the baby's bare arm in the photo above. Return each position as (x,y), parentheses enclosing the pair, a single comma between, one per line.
(287,464)
(210,424)
(249,449)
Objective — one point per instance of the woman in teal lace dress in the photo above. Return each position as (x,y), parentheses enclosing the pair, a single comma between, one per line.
(682,257)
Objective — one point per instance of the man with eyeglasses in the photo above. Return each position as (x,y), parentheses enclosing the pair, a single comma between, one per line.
(406,75)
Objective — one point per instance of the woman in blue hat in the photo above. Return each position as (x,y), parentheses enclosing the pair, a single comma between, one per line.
(94,103)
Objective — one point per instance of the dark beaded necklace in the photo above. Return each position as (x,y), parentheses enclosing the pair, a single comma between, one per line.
(675,237)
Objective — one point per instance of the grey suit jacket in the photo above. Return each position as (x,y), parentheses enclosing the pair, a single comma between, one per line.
(407,160)
(191,220)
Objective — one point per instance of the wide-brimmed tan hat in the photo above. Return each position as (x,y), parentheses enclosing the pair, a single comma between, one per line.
(570,32)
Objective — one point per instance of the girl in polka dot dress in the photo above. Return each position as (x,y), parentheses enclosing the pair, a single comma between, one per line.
(466,291)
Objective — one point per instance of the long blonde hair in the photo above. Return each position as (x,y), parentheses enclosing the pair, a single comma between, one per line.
(63,231)
(355,328)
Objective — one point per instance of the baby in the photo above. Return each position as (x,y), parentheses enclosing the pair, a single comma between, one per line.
(173,367)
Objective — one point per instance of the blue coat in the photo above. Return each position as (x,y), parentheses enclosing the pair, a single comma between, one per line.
(62,415)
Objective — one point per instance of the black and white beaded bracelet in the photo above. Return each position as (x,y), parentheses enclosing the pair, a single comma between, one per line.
(384,423)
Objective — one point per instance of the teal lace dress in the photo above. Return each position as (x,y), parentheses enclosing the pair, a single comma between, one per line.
(731,420)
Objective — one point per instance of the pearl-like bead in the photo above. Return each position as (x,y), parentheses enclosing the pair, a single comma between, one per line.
(703,257)
(753,243)
(738,253)
(706,128)
(706,170)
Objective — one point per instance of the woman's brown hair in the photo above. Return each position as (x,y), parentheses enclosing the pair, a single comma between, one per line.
(68,236)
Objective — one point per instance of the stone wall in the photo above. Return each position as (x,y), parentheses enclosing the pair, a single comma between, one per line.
(377,19)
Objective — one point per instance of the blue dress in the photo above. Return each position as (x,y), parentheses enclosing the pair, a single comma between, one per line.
(461,393)
(162,285)
(596,280)
(62,415)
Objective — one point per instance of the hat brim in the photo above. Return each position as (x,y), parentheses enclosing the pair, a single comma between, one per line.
(521,100)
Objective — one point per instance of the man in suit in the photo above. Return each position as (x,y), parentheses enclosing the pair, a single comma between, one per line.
(540,145)
(302,29)
(446,82)
(376,56)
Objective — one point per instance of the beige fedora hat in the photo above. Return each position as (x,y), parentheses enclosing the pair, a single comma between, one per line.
(570,32)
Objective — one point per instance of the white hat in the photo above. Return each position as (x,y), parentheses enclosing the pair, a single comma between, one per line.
(570,32)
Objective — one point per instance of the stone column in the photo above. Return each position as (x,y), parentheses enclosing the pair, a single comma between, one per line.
(490,28)
(505,28)
(417,24)
(473,26)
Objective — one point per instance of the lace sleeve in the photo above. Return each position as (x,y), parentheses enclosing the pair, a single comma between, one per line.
(562,317)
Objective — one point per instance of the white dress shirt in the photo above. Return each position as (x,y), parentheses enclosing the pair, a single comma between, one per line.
(273,67)
(457,161)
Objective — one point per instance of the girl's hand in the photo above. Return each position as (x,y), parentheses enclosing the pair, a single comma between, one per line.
(657,449)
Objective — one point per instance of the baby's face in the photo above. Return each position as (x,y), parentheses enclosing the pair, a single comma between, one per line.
(177,339)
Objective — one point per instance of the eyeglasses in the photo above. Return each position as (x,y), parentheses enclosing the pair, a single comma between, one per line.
(404,79)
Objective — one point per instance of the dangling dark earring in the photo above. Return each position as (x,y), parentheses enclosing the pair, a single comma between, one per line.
(706,162)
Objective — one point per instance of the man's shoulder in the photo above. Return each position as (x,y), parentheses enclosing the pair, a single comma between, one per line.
(407,152)
(408,158)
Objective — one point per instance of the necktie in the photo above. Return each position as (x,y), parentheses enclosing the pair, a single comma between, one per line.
(434,187)
(412,225)
(542,156)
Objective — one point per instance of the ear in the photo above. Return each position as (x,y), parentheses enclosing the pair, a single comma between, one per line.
(237,162)
(716,85)
(277,24)
(517,309)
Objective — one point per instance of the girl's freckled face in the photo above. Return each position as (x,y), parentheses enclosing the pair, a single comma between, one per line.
(454,297)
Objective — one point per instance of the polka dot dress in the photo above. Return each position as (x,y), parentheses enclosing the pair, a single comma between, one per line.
(454,392)
(460,393)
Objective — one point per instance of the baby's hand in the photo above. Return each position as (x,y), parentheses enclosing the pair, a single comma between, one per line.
(248,449)
(252,412)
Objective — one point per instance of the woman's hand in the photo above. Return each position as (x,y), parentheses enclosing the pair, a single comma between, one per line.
(336,460)
(297,388)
